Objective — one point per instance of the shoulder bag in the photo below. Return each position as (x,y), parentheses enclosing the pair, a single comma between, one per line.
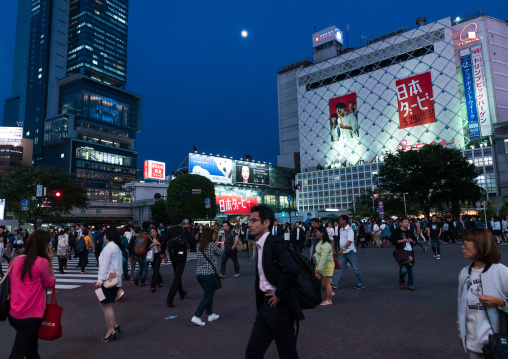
(336,261)
(218,284)
(497,346)
(402,256)
(5,296)
(111,282)
(51,326)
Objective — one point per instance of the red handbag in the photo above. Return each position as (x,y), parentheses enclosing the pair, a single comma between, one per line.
(51,326)
(336,261)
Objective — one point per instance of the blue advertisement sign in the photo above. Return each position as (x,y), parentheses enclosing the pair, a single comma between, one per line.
(472,114)
(216,169)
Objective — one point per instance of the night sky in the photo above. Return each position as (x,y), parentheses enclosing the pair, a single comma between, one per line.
(204,85)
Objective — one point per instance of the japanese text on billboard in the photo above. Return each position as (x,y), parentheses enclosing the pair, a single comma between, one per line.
(481,91)
(416,100)
(467,73)
(235,204)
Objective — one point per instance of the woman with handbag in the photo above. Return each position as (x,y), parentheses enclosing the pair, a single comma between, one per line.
(61,251)
(110,279)
(158,256)
(483,291)
(207,275)
(30,274)
(325,265)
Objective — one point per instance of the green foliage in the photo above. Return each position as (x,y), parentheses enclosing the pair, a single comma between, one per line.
(431,177)
(159,212)
(22,184)
(503,211)
(192,205)
(491,212)
(393,206)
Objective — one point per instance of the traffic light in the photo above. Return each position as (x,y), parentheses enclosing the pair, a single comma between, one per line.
(296,213)
(58,194)
(298,186)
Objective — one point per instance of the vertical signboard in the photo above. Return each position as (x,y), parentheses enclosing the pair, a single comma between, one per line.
(2,209)
(154,170)
(467,74)
(481,91)
(416,100)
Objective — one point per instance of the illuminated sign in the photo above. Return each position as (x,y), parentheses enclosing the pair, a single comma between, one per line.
(416,100)
(252,173)
(482,101)
(154,170)
(11,135)
(469,93)
(327,35)
(235,204)
(2,209)
(216,169)
(403,146)
(467,35)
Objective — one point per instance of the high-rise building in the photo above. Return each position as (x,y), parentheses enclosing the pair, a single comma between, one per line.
(68,91)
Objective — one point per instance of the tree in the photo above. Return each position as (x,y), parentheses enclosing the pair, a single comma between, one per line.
(182,201)
(62,194)
(160,212)
(490,212)
(431,177)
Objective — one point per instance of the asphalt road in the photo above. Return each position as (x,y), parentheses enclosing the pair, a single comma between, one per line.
(381,321)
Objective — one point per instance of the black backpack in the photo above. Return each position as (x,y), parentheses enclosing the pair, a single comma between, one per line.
(308,286)
(179,242)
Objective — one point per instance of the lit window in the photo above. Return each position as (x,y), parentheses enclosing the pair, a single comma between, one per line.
(28,133)
(40,75)
(62,155)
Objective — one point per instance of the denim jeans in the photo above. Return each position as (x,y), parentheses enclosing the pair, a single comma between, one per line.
(436,245)
(410,271)
(133,267)
(143,269)
(343,260)
(207,282)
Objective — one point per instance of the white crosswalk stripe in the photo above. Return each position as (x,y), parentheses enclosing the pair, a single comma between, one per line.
(74,279)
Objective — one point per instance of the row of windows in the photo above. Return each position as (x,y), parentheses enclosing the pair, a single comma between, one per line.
(86,153)
(91,165)
(104,176)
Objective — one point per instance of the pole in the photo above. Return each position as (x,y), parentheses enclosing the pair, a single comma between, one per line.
(405,214)
(289,207)
(485,214)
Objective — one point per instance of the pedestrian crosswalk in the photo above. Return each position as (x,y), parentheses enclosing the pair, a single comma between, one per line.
(74,279)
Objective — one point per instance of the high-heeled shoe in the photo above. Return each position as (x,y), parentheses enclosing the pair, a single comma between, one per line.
(117,329)
(111,337)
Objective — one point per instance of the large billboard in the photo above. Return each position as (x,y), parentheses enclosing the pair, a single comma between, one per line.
(327,35)
(469,93)
(252,173)
(235,204)
(356,107)
(11,135)
(216,169)
(154,170)
(481,91)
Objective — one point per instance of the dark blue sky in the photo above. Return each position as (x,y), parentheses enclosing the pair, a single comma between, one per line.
(204,85)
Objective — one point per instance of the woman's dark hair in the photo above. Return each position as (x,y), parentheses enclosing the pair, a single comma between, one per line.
(36,246)
(62,232)
(206,238)
(157,236)
(112,235)
(323,231)
(85,232)
(487,250)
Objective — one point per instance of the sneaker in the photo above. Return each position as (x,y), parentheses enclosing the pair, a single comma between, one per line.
(222,276)
(412,289)
(213,317)
(402,286)
(438,256)
(197,321)
(236,275)
(360,286)
(435,256)
(334,287)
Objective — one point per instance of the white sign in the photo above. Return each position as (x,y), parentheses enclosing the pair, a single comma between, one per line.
(482,101)
(11,135)
(327,35)
(154,170)
(2,209)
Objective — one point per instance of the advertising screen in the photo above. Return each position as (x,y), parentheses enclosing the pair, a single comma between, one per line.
(327,35)
(216,169)
(235,204)
(356,107)
(154,170)
(252,173)
(11,135)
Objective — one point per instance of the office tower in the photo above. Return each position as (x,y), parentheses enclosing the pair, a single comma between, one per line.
(69,93)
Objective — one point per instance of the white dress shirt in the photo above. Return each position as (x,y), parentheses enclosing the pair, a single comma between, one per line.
(264,284)
(110,261)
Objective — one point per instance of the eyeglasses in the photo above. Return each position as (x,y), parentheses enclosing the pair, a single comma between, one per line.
(253,220)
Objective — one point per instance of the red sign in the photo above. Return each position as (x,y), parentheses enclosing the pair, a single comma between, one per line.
(236,204)
(416,100)
(154,170)
(403,146)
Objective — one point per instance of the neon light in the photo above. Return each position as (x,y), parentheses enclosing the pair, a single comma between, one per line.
(469,36)
(405,146)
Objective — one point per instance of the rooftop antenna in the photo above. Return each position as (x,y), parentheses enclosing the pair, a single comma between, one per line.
(315,29)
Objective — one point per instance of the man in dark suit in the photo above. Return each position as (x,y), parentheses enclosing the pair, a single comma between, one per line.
(276,276)
(298,238)
(276,230)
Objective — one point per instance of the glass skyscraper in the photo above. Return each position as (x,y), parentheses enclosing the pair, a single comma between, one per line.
(69,92)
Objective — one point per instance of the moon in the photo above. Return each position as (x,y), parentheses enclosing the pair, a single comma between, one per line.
(244,33)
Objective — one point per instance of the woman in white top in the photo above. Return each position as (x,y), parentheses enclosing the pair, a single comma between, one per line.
(376,234)
(287,233)
(329,230)
(110,265)
(61,250)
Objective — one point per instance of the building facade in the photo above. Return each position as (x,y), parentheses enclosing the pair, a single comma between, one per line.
(73,70)
(442,82)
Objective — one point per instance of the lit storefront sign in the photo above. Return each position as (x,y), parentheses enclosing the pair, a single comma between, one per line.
(154,170)
(469,91)
(481,91)
(327,35)
(235,204)
(468,35)
(403,146)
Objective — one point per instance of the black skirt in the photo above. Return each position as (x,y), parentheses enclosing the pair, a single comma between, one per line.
(110,294)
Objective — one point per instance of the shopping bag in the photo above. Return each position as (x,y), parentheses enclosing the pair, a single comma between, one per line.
(51,326)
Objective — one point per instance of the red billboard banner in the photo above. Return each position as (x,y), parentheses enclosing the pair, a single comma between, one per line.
(416,100)
(154,170)
(236,204)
